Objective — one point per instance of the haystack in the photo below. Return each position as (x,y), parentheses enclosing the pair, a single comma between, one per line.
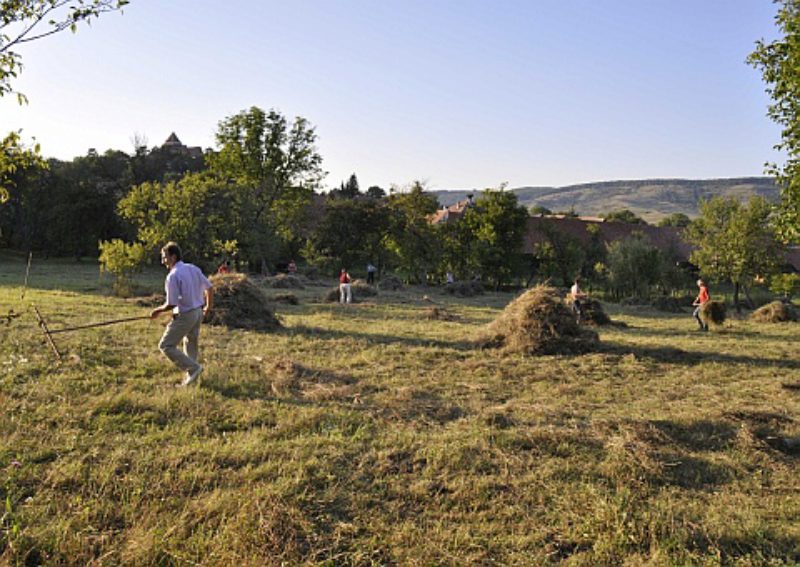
(593,313)
(775,312)
(464,288)
(390,283)
(538,322)
(713,312)
(286,297)
(239,303)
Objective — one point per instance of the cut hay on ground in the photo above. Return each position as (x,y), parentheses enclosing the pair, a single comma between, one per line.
(713,312)
(390,283)
(666,304)
(284,281)
(464,289)
(440,314)
(239,303)
(538,322)
(775,312)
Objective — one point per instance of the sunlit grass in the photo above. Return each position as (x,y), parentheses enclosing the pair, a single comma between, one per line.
(368,434)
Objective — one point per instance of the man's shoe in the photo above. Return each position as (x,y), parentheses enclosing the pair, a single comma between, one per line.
(192,376)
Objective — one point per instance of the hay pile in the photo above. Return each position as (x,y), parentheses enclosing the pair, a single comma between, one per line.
(239,303)
(464,288)
(713,312)
(284,281)
(440,314)
(775,312)
(538,322)
(288,298)
(593,313)
(390,283)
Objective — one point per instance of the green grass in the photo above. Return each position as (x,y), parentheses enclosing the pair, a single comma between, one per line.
(368,435)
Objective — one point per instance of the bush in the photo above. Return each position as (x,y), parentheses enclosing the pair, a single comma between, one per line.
(122,260)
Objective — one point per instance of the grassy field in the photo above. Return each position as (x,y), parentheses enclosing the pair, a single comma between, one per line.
(369,435)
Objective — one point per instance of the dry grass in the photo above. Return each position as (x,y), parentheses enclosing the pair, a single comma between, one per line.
(775,312)
(374,436)
(713,312)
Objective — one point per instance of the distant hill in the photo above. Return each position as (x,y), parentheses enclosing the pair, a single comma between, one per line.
(651,199)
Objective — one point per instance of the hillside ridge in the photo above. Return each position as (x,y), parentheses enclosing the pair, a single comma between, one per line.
(652,199)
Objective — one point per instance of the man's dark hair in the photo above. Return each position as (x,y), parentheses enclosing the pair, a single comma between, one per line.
(172,249)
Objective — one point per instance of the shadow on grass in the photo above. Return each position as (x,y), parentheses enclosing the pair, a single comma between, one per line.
(675,355)
(699,435)
(377,338)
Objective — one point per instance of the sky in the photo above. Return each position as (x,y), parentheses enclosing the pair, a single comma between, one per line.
(459,94)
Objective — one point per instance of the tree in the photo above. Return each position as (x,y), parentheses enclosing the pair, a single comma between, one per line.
(539,210)
(411,239)
(633,266)
(734,242)
(122,260)
(350,233)
(198,212)
(275,167)
(375,192)
(624,215)
(497,223)
(14,157)
(677,220)
(779,63)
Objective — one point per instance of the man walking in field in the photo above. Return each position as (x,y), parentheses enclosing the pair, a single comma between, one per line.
(190,296)
(701,299)
(577,295)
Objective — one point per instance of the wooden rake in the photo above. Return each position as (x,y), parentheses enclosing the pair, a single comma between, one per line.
(48,334)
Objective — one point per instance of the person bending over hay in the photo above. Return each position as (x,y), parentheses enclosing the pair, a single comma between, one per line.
(239,303)
(538,322)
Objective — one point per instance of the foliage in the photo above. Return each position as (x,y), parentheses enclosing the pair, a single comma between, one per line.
(677,220)
(633,266)
(497,225)
(787,285)
(66,208)
(376,192)
(14,156)
(624,215)
(274,165)
(779,63)
(23,21)
(411,238)
(349,190)
(734,242)
(539,210)
(122,260)
(561,256)
(349,234)
(198,212)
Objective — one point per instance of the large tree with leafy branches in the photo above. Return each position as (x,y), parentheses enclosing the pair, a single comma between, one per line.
(275,167)
(779,63)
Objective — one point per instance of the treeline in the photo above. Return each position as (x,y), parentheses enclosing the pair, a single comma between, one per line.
(257,201)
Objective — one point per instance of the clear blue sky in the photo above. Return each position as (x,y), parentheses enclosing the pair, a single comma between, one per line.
(459,93)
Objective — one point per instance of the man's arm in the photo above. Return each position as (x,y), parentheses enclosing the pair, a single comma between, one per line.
(161,309)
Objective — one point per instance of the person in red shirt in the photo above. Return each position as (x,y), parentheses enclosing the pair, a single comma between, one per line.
(702,298)
(345,294)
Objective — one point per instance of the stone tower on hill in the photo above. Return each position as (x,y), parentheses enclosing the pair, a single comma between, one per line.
(174,146)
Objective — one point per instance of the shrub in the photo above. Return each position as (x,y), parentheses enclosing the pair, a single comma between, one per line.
(122,260)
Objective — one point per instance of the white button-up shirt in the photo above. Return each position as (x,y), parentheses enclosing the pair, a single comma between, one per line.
(185,285)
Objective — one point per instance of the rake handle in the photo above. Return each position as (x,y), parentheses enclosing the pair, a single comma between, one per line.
(103,324)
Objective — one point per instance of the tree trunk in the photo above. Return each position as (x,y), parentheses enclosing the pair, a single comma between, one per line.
(736,297)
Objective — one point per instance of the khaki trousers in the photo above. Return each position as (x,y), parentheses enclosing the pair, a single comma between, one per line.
(184,328)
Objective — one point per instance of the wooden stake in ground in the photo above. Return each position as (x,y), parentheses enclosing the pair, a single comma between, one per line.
(47,333)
